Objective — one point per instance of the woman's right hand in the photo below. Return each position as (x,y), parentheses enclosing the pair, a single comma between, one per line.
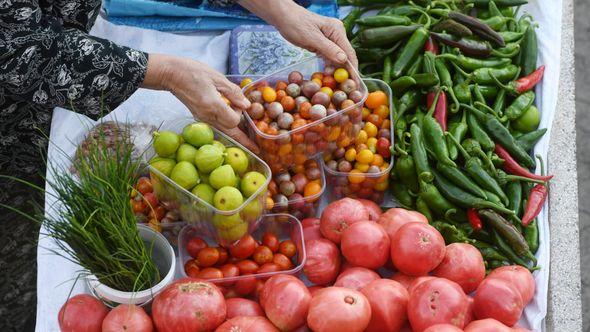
(201,89)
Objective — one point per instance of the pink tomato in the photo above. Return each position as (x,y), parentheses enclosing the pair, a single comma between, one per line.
(365,244)
(462,264)
(417,249)
(242,307)
(339,215)
(388,300)
(356,278)
(393,219)
(286,301)
(519,277)
(417,281)
(373,208)
(247,323)
(443,328)
(498,299)
(339,309)
(82,313)
(487,325)
(323,261)
(403,279)
(127,317)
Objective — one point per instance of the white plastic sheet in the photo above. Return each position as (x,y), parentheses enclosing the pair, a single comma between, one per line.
(57,275)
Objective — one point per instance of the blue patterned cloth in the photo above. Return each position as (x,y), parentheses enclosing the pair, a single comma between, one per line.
(185,15)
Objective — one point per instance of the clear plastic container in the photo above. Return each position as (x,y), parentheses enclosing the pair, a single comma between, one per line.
(304,207)
(294,147)
(362,185)
(225,226)
(284,226)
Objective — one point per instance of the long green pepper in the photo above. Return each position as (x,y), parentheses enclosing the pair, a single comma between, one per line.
(414,45)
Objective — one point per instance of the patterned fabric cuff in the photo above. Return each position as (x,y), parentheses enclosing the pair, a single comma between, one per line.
(222,3)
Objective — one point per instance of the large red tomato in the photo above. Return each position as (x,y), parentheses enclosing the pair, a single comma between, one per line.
(417,281)
(311,231)
(314,289)
(417,249)
(356,278)
(389,300)
(437,301)
(189,305)
(403,279)
(393,219)
(469,316)
(519,277)
(486,325)
(365,244)
(339,309)
(242,307)
(286,302)
(323,261)
(339,215)
(462,264)
(519,329)
(127,317)
(247,324)
(373,208)
(498,299)
(443,328)
(270,285)
(82,313)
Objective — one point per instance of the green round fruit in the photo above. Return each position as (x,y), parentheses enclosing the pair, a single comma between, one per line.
(251,182)
(186,152)
(528,121)
(166,143)
(198,134)
(237,159)
(204,192)
(208,158)
(226,222)
(252,210)
(233,234)
(222,176)
(219,145)
(164,165)
(227,199)
(185,175)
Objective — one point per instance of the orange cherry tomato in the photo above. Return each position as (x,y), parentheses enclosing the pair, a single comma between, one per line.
(304,109)
(144,185)
(288,103)
(210,273)
(329,82)
(138,206)
(317,75)
(229,270)
(282,261)
(281,85)
(223,256)
(375,119)
(207,257)
(269,267)
(288,248)
(191,268)
(376,99)
(271,241)
(262,255)
(269,94)
(247,266)
(244,248)
(382,111)
(281,94)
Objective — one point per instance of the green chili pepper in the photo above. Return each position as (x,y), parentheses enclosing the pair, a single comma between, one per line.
(468,63)
(402,194)
(430,194)
(451,233)
(429,64)
(508,232)
(414,45)
(406,170)
(494,198)
(416,67)
(473,148)
(387,69)
(383,36)
(383,20)
(501,3)
(509,51)
(484,75)
(497,22)
(511,36)
(404,10)
(364,3)
(466,45)
(460,179)
(435,139)
(453,27)
(499,102)
(478,133)
(488,251)
(400,128)
(444,77)
(463,198)
(458,131)
(486,91)
(514,193)
(462,92)
(402,84)
(477,92)
(531,235)
(528,52)
(350,19)
(527,141)
(507,250)
(423,208)
(425,80)
(375,54)
(418,150)
(493,9)
(407,101)
(519,105)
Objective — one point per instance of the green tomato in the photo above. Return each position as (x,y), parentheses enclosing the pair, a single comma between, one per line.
(528,121)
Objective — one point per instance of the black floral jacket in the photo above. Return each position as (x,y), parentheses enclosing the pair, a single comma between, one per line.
(47,59)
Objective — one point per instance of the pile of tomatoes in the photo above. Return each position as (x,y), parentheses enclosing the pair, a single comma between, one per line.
(147,208)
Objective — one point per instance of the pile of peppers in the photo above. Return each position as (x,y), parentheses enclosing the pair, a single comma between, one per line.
(463,75)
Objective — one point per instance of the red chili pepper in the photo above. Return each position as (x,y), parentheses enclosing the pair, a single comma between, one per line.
(474,219)
(513,167)
(431,46)
(440,110)
(523,84)
(534,204)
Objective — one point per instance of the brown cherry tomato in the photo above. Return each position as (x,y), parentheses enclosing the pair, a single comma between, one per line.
(247,266)
(288,248)
(191,268)
(271,241)
(223,256)
(269,267)
(210,273)
(262,255)
(208,257)
(244,248)
(230,270)
(245,286)
(282,261)
(194,245)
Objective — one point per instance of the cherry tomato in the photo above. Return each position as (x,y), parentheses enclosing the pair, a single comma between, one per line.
(244,248)
(262,255)
(245,286)
(271,241)
(208,257)
(247,266)
(191,268)
(151,201)
(282,261)
(229,270)
(268,267)
(417,249)
(223,256)
(288,248)
(194,245)
(138,206)
(210,273)
(157,213)
(144,185)
(462,264)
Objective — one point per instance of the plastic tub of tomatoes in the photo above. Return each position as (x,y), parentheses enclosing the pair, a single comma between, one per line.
(276,247)
(207,179)
(361,168)
(302,110)
(297,191)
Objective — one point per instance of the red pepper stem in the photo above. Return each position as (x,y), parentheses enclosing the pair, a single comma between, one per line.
(431,46)
(513,167)
(474,219)
(535,203)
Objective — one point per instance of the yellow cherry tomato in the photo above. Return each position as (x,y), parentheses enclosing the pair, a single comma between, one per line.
(245,82)
(317,80)
(350,155)
(366,112)
(371,129)
(356,176)
(327,90)
(269,94)
(340,75)
(362,167)
(365,157)
(372,144)
(361,137)
(381,186)
(377,160)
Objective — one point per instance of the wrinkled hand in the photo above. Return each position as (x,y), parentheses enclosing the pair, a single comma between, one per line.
(201,88)
(319,34)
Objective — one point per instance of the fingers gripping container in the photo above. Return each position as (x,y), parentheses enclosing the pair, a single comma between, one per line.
(224,226)
(362,185)
(294,147)
(284,226)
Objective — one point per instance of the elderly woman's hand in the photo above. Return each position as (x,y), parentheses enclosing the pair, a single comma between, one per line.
(319,34)
(200,88)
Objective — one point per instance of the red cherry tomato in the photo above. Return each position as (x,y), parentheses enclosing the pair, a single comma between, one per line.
(262,255)
(417,249)
(207,257)
(229,270)
(462,264)
(356,278)
(210,273)
(151,201)
(282,261)
(268,267)
(194,245)
(247,266)
(245,286)
(271,241)
(191,268)
(138,206)
(288,248)
(244,248)
(388,300)
(365,244)
(498,299)
(144,185)
(223,256)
